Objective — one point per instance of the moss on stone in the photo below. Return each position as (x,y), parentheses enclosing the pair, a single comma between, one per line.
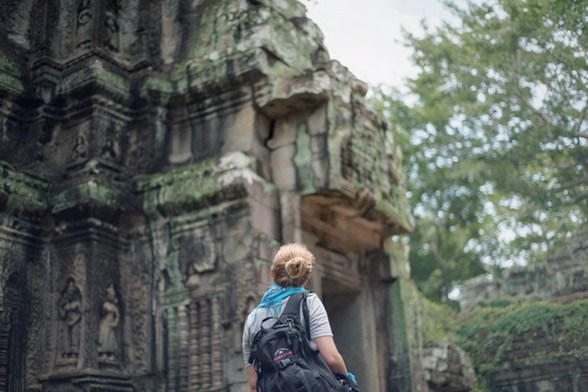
(189,188)
(113,82)
(90,192)
(21,192)
(303,160)
(438,323)
(179,187)
(232,41)
(213,72)
(368,149)
(10,76)
(546,332)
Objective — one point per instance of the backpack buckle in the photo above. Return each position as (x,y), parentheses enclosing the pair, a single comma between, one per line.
(284,363)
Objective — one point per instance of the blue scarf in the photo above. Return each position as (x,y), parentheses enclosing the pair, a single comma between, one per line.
(274,295)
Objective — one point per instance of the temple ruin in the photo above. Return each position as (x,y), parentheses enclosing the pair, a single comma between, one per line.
(153,157)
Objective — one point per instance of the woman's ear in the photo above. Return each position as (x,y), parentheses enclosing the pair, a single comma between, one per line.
(272,271)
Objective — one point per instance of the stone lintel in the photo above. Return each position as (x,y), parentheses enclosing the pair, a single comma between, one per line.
(344,222)
(226,178)
(307,90)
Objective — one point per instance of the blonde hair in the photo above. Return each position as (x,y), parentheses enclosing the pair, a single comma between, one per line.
(292,265)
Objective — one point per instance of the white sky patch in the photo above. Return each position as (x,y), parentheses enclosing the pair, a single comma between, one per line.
(364,36)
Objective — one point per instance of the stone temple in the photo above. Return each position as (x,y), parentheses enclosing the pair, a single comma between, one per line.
(154,154)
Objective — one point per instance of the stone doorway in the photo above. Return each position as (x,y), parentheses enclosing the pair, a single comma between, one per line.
(347,297)
(341,304)
(352,315)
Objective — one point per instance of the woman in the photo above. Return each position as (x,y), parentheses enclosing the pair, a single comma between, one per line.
(291,270)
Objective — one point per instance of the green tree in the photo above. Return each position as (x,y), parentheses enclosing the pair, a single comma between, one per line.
(495,136)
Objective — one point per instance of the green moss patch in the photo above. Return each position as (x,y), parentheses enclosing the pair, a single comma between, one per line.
(524,334)
(438,322)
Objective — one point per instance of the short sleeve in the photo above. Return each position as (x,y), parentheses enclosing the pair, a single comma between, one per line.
(319,320)
(247,341)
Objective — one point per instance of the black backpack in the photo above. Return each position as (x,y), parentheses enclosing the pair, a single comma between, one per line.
(285,358)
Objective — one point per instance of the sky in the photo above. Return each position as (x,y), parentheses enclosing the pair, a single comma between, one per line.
(363,35)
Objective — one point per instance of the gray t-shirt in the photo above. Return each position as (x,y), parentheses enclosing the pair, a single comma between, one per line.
(319,322)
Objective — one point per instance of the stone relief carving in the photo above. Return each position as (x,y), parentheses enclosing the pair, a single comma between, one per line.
(199,251)
(70,311)
(111,32)
(80,149)
(140,321)
(12,334)
(205,341)
(84,25)
(111,36)
(129,41)
(110,149)
(37,30)
(35,344)
(64,40)
(110,318)
(137,281)
(17,22)
(170,31)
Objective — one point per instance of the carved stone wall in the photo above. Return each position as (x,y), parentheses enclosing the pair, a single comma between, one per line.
(153,157)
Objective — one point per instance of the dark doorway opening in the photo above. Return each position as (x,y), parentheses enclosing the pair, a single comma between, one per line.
(345,314)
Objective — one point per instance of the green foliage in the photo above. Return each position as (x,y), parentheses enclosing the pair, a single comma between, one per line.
(437,322)
(495,137)
(487,334)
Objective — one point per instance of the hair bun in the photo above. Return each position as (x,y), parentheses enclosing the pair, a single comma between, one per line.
(296,267)
(292,265)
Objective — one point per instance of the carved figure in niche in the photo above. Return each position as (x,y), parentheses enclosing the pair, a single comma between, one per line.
(109,149)
(80,150)
(70,311)
(84,25)
(110,317)
(111,34)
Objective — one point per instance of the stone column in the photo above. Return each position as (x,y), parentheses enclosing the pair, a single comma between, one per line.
(290,213)
(404,371)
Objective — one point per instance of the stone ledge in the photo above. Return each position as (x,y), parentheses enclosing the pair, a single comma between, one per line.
(21,192)
(225,178)
(89,193)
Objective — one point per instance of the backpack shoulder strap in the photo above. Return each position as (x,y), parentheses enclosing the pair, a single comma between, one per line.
(292,309)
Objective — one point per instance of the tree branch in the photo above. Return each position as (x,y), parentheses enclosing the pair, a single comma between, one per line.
(572,184)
